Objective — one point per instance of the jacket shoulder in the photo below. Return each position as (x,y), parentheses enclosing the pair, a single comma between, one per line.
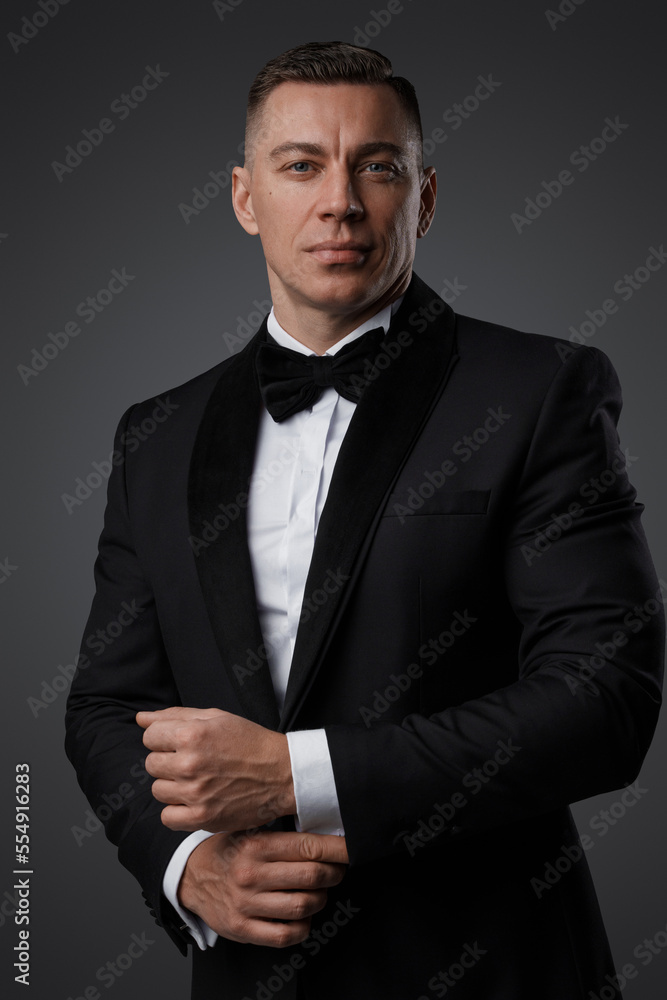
(500,348)
(189,398)
(195,391)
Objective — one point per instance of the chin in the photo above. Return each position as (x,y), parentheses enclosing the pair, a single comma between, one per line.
(352,290)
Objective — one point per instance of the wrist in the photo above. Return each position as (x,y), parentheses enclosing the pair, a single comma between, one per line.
(283,800)
(198,870)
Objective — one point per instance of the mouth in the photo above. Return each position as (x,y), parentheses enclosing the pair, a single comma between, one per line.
(340,252)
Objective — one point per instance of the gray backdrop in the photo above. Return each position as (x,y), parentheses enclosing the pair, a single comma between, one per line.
(122,200)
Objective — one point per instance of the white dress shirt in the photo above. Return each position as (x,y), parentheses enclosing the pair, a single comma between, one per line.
(294,463)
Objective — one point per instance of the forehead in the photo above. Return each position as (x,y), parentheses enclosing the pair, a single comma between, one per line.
(347,112)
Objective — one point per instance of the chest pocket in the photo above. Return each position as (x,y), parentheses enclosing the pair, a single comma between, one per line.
(421,502)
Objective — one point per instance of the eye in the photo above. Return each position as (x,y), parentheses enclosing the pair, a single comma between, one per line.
(301,167)
(380,168)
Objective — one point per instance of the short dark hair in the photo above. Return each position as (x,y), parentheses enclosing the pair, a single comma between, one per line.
(328,63)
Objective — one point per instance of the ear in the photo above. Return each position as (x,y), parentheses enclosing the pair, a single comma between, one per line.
(427,207)
(242,199)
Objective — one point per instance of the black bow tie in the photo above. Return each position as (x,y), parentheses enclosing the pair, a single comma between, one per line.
(290,381)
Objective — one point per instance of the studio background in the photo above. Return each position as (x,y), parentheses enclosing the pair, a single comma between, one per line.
(149,199)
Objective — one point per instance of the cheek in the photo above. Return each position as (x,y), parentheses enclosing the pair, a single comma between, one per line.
(402,231)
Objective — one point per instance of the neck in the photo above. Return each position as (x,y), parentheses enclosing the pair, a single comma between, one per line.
(319,329)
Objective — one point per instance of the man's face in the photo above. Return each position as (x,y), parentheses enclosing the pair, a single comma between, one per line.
(337,195)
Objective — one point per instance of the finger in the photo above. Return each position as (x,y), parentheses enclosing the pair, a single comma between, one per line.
(302,847)
(171,793)
(176,713)
(188,818)
(326,847)
(266,932)
(146,719)
(165,734)
(287,905)
(302,876)
(164,764)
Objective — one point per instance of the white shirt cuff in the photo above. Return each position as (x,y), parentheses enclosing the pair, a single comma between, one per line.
(314,785)
(201,932)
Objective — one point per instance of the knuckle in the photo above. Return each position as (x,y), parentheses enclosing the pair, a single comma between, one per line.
(298,907)
(338,875)
(180,736)
(238,925)
(311,878)
(244,875)
(250,845)
(201,815)
(198,790)
(185,736)
(318,900)
(165,817)
(324,875)
(302,906)
(285,936)
(309,847)
(189,766)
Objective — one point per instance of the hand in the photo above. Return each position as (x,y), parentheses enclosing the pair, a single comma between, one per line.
(216,771)
(241,884)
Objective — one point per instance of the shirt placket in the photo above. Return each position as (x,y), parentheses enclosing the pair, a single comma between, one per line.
(299,539)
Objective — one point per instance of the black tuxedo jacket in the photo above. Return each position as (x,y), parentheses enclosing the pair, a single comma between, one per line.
(481,637)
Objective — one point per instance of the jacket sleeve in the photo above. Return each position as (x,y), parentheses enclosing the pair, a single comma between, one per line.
(122,668)
(580,716)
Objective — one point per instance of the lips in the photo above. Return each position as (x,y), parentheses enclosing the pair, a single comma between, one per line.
(340,252)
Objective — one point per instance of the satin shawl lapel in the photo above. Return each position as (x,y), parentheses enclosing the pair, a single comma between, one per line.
(389,417)
(222,462)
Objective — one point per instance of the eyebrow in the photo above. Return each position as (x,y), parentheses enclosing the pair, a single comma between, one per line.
(315,149)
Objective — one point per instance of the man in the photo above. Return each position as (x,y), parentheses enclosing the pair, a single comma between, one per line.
(398,592)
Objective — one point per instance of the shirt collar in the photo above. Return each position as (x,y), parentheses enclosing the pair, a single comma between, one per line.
(382,318)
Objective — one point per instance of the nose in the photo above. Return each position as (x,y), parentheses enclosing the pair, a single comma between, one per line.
(338,195)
